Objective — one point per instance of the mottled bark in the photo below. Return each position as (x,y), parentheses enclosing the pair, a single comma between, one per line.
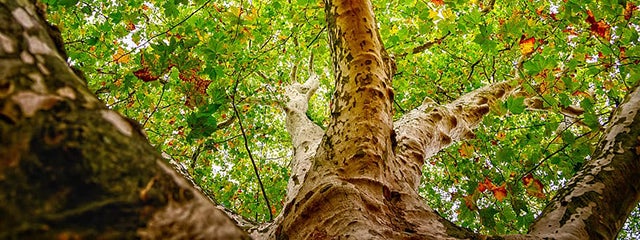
(305,134)
(72,169)
(425,131)
(354,189)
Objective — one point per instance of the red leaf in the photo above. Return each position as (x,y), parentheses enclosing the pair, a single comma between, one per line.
(482,187)
(600,28)
(628,10)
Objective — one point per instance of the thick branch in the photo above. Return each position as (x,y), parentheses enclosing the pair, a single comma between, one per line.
(424,131)
(595,203)
(305,134)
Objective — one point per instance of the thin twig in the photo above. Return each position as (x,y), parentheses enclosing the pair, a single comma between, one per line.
(246,147)
(425,46)
(317,36)
(155,108)
(163,33)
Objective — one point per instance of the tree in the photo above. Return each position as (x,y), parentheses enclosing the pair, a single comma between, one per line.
(73,168)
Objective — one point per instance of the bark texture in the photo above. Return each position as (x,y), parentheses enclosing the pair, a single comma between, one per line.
(72,169)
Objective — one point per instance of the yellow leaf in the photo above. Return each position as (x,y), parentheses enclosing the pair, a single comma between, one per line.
(120,56)
(433,14)
(527,45)
(448,14)
(501,135)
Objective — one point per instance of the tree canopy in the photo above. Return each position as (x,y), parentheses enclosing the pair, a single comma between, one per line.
(206,80)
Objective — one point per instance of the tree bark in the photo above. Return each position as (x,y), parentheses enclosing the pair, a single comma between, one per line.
(72,169)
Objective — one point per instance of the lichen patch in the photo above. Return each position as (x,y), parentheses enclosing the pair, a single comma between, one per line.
(120,123)
(23,18)
(8,45)
(31,102)
(38,47)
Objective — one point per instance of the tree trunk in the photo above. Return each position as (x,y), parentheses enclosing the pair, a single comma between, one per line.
(71,168)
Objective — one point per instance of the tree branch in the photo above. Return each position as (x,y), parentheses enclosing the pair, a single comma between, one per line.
(598,199)
(424,131)
(305,134)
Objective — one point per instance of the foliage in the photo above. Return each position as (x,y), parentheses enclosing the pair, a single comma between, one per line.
(179,66)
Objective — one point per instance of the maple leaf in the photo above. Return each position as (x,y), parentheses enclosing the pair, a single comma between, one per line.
(500,192)
(600,28)
(487,184)
(527,45)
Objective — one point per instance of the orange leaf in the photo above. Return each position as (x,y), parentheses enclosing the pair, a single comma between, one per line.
(600,28)
(482,187)
(501,135)
(470,202)
(131,26)
(438,2)
(527,45)
(500,192)
(527,179)
(466,150)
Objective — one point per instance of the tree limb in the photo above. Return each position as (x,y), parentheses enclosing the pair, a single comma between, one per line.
(595,203)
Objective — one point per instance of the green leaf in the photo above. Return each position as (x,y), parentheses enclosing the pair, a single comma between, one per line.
(587,104)
(516,105)
(564,100)
(591,120)
(67,3)
(487,217)
(568,137)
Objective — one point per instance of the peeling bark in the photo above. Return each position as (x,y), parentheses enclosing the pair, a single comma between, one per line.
(59,176)
(423,132)
(305,134)
(353,190)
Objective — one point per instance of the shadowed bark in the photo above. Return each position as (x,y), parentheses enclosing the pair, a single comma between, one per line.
(72,169)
